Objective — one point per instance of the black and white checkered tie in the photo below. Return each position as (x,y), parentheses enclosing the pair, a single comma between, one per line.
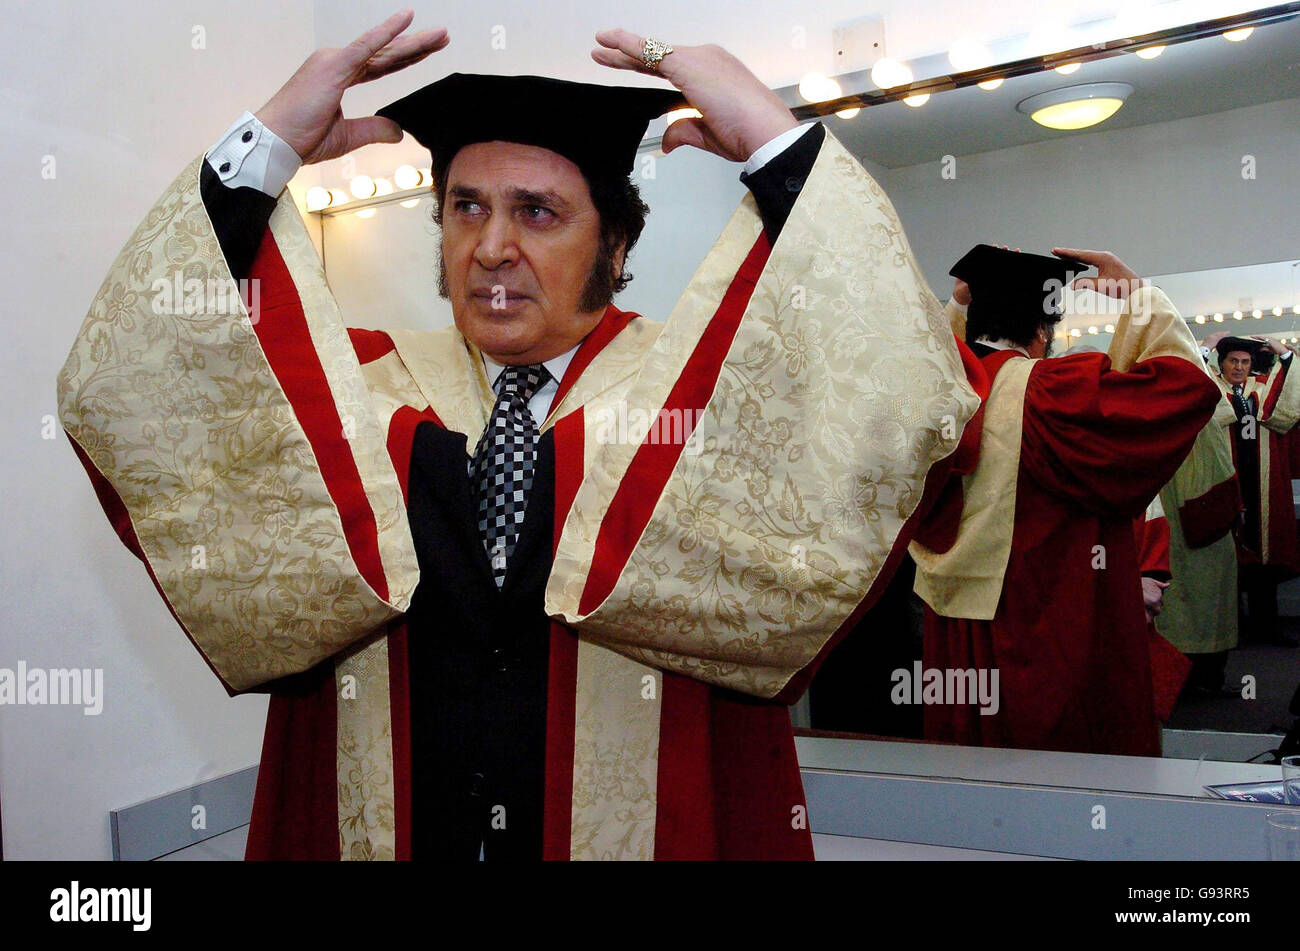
(502,467)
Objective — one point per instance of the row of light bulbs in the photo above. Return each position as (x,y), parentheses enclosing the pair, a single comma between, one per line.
(1257,313)
(405,178)
(965,55)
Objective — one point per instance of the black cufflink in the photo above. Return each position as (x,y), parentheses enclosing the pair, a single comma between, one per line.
(793,184)
(225,167)
(247,136)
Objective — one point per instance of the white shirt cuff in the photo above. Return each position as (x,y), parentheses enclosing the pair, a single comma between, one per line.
(252,156)
(771,149)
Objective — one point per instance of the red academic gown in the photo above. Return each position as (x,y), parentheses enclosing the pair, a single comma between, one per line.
(1069,636)
(1270,493)
(1169,665)
(727,779)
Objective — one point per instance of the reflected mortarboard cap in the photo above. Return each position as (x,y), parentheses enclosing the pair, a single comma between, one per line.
(1014,282)
(1229,344)
(598,128)
(1261,357)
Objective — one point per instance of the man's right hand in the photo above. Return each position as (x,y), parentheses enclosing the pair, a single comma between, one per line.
(307,111)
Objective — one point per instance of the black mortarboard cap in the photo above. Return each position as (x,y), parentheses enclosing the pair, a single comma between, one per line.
(1014,285)
(598,128)
(1261,357)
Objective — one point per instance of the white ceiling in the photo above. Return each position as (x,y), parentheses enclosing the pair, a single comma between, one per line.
(1195,78)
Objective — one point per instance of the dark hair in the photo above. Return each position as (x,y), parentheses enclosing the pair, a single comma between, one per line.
(622,216)
(1020,326)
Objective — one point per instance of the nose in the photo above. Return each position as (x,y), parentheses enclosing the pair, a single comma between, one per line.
(497,243)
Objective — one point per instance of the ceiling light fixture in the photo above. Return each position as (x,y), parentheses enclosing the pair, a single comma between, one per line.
(1075,107)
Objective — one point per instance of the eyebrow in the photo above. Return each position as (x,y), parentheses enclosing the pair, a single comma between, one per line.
(522,196)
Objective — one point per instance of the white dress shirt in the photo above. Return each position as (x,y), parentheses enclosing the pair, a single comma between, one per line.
(540,404)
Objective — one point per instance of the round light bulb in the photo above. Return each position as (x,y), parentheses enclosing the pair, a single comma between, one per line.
(1236,36)
(990,84)
(1200,318)
(1150,52)
(917,101)
(1277,311)
(363,186)
(848,113)
(1218,318)
(383,186)
(406,177)
(1257,313)
(367,212)
(1236,315)
(409,203)
(888,73)
(1110,328)
(818,87)
(1065,69)
(1092,330)
(1076,332)
(318,197)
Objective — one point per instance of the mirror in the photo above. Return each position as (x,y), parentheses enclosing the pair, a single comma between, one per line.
(1191,182)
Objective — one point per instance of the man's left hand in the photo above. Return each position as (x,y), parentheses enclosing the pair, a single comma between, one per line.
(739,114)
(1153,596)
(1274,345)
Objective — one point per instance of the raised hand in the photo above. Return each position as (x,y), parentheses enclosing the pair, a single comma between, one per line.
(739,114)
(1114,277)
(307,111)
(1276,346)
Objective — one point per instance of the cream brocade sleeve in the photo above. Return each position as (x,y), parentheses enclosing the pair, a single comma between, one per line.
(840,388)
(240,453)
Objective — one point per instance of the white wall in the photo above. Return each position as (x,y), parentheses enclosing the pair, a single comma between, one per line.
(118,96)
(1167,198)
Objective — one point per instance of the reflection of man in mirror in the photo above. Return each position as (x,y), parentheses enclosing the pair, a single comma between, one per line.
(1029,563)
(1254,375)
(488,626)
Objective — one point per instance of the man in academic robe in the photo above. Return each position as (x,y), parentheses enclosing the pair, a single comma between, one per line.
(492,618)
(1028,564)
(1255,379)
(1201,506)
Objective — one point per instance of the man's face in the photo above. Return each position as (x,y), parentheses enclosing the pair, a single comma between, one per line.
(520,235)
(1236,367)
